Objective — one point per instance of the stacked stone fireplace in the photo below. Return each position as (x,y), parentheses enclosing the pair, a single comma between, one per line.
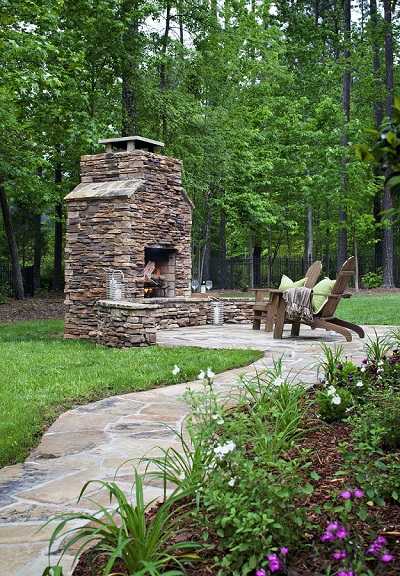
(129,213)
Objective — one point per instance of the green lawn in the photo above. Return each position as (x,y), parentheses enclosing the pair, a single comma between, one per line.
(42,375)
(378,309)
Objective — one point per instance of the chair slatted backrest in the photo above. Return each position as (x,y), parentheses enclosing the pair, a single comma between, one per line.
(312,274)
(342,281)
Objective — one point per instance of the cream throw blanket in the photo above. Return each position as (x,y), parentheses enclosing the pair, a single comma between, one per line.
(298,304)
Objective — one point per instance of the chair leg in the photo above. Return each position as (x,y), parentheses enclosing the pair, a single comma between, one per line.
(295,328)
(279,320)
(257,316)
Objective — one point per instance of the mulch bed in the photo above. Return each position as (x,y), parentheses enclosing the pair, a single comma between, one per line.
(46,306)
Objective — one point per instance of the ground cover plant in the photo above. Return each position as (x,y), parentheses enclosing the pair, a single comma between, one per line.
(42,375)
(280,479)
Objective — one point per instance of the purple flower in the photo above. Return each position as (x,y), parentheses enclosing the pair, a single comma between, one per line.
(386,557)
(332,526)
(392,361)
(343,573)
(380,540)
(365,361)
(328,536)
(341,533)
(274,563)
(284,551)
(339,367)
(261,572)
(358,493)
(346,494)
(350,379)
(339,554)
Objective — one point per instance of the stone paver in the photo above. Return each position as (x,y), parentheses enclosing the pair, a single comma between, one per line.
(92,442)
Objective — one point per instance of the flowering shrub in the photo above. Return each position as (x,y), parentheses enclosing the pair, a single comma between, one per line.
(246,497)
(345,387)
(334,403)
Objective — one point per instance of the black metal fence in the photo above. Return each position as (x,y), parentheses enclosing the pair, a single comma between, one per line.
(7,282)
(244,274)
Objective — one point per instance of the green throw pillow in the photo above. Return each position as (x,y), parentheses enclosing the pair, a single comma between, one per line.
(325,286)
(287,283)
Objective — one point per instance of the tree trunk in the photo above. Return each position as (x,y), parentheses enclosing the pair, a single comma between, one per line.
(251,259)
(388,277)
(129,77)
(58,281)
(37,250)
(223,250)
(342,232)
(9,229)
(310,243)
(257,265)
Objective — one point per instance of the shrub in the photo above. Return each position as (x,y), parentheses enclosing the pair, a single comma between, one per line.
(372,279)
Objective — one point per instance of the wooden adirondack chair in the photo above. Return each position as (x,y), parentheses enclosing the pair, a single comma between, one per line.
(325,318)
(268,308)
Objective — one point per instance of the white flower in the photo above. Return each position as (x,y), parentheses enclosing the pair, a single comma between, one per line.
(231,482)
(360,383)
(336,399)
(176,370)
(225,448)
(331,390)
(278,381)
(210,373)
(202,375)
(363,368)
(218,418)
(380,363)
(380,370)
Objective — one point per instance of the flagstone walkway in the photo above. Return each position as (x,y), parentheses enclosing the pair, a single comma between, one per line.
(96,441)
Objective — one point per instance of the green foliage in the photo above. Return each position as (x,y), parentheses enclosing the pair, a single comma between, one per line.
(378,422)
(245,497)
(334,404)
(345,386)
(122,533)
(372,279)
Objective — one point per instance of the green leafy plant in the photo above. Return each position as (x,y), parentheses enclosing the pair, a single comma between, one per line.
(329,363)
(385,150)
(245,497)
(277,406)
(124,535)
(334,404)
(379,420)
(372,279)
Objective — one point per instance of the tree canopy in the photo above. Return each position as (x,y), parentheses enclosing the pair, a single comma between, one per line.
(265,103)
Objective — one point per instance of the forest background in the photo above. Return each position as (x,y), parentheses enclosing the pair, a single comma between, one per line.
(265,103)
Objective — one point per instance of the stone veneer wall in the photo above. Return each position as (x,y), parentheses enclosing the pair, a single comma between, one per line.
(128,324)
(126,201)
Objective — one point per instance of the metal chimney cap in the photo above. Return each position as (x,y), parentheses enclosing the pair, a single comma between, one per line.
(130,143)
